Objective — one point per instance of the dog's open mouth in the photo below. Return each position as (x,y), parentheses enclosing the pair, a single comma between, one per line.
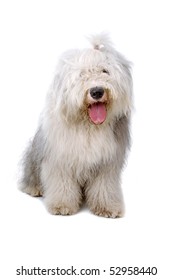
(97,112)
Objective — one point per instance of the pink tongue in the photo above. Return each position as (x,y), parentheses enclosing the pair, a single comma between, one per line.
(97,113)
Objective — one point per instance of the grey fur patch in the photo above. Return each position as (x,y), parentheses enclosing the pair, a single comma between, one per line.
(122,136)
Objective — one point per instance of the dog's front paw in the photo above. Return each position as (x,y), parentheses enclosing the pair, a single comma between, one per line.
(61,210)
(118,212)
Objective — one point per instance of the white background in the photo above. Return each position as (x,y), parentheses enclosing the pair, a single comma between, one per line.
(32,36)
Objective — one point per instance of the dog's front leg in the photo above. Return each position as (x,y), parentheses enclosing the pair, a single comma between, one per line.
(103,194)
(62,194)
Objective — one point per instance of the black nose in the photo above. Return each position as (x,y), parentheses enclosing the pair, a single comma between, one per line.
(97,92)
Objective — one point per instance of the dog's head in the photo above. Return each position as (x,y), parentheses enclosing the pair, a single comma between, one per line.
(94,84)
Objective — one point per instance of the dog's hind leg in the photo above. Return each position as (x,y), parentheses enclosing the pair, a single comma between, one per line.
(30,182)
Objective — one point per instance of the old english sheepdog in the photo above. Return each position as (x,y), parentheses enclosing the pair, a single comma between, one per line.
(83,137)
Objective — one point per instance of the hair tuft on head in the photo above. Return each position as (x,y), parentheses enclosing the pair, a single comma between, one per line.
(100,41)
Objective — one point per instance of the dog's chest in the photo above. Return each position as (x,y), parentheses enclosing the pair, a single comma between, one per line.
(85,148)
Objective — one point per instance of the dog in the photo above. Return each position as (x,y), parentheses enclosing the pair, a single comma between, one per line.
(83,137)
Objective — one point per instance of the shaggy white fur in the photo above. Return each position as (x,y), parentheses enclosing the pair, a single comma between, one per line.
(81,144)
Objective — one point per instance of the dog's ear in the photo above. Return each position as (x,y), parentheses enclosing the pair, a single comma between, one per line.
(123,78)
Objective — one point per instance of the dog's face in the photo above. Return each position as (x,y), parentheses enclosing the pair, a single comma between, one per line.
(94,85)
